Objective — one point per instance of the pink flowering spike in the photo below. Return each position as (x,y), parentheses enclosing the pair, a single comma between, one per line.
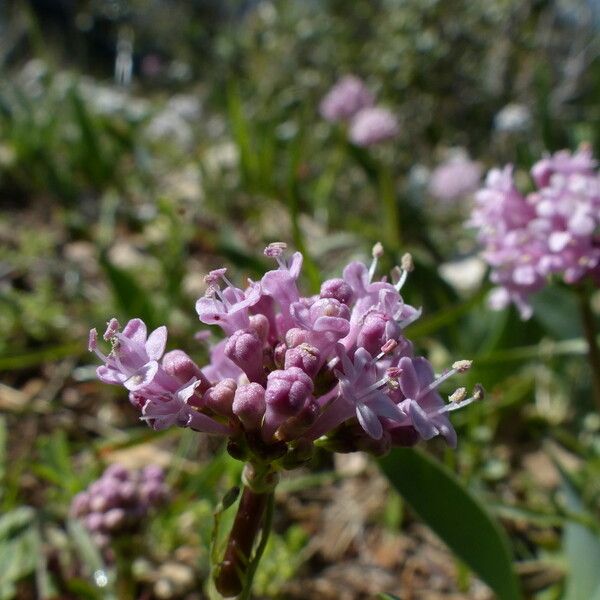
(245,349)
(155,345)
(345,99)
(373,126)
(249,405)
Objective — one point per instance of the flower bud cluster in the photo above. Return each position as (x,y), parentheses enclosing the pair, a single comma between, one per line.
(350,101)
(119,501)
(553,230)
(333,369)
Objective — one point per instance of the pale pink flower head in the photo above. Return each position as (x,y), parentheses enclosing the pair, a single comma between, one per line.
(552,231)
(455,179)
(291,369)
(345,99)
(372,126)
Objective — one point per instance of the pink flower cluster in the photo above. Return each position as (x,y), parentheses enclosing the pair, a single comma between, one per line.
(118,502)
(350,101)
(553,230)
(455,178)
(334,368)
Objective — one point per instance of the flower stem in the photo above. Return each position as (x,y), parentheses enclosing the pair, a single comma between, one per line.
(589,330)
(390,224)
(236,571)
(125,583)
(264,538)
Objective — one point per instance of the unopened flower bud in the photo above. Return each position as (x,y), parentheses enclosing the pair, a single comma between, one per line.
(377,329)
(260,324)
(279,354)
(244,348)
(116,471)
(179,365)
(114,518)
(305,357)
(337,289)
(296,336)
(286,394)
(249,405)
(219,398)
(94,521)
(295,426)
(153,472)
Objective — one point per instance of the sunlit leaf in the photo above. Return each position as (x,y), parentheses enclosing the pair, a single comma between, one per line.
(455,515)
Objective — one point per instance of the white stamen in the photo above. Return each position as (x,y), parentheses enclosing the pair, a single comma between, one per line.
(377,253)
(462,366)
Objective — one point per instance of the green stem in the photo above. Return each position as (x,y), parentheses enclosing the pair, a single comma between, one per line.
(593,351)
(390,214)
(125,583)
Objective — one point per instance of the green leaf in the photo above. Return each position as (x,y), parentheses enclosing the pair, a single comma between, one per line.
(455,515)
(31,359)
(388,597)
(16,521)
(582,550)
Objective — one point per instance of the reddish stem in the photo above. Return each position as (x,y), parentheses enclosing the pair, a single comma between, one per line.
(231,572)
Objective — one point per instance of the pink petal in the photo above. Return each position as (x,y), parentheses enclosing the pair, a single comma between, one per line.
(136,331)
(157,340)
(369,421)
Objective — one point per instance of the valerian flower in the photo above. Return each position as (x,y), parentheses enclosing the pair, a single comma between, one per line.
(552,231)
(291,369)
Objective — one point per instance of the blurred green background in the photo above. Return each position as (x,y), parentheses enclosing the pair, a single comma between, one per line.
(145,143)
